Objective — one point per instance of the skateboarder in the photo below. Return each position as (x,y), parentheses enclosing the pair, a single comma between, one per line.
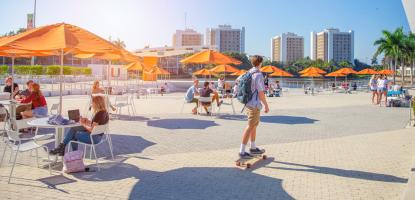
(253,108)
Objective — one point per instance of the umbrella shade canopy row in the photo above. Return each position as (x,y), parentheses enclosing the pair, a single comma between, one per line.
(210,57)
(59,37)
(346,70)
(270,69)
(224,69)
(137,66)
(22,53)
(386,72)
(158,71)
(335,74)
(281,73)
(311,74)
(203,72)
(239,73)
(312,70)
(367,71)
(123,55)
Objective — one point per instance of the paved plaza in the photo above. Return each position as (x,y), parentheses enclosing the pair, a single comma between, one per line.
(329,146)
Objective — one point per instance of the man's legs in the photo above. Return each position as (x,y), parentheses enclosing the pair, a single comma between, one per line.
(250,130)
(194,100)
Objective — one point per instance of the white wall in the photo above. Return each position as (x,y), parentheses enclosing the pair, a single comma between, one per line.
(101,70)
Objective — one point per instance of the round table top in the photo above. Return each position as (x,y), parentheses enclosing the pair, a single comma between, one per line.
(43,123)
(8,102)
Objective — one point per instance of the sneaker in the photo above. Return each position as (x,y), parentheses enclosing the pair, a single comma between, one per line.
(60,150)
(257,151)
(220,103)
(244,155)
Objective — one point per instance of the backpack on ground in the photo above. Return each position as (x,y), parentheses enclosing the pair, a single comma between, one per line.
(73,162)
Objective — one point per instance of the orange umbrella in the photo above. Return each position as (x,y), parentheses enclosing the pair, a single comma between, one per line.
(158,71)
(281,73)
(59,39)
(138,66)
(311,74)
(210,57)
(269,69)
(346,71)
(367,71)
(386,72)
(312,70)
(335,74)
(238,73)
(203,72)
(224,69)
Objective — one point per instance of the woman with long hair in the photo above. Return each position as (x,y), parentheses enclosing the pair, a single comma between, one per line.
(39,105)
(382,85)
(82,133)
(96,89)
(373,86)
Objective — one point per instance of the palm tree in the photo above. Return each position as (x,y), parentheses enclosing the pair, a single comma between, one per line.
(118,42)
(391,45)
(410,53)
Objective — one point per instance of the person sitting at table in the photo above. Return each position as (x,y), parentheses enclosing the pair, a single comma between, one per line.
(163,89)
(191,93)
(82,133)
(228,89)
(205,92)
(96,89)
(28,91)
(39,106)
(8,87)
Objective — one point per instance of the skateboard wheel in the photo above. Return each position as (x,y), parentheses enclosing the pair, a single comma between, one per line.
(248,165)
(264,157)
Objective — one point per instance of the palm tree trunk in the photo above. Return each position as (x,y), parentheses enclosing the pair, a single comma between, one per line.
(403,72)
(412,72)
(394,70)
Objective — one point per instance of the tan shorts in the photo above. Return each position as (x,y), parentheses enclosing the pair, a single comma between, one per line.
(253,116)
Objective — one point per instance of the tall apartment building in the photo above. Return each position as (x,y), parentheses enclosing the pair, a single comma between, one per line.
(287,48)
(187,38)
(225,38)
(409,6)
(331,44)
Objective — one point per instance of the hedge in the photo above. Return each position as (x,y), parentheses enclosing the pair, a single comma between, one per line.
(47,70)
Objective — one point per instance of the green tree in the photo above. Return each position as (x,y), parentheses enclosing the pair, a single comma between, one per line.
(391,45)
(118,42)
(246,64)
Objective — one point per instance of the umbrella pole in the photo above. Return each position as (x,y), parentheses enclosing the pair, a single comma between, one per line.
(60,84)
(12,89)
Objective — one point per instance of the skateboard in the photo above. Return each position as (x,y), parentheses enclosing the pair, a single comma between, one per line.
(249,162)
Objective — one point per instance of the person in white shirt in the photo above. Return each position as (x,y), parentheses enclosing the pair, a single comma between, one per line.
(382,86)
(373,85)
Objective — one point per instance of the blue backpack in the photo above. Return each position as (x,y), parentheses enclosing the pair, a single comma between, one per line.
(245,93)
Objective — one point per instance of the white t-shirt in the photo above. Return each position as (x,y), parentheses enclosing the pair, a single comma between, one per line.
(382,83)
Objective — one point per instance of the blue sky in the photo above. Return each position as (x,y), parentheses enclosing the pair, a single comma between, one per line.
(152,22)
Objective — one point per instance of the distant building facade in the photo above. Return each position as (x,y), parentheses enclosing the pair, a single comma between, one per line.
(187,38)
(226,38)
(287,48)
(331,44)
(409,6)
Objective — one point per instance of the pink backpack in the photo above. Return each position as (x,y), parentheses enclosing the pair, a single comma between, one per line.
(73,162)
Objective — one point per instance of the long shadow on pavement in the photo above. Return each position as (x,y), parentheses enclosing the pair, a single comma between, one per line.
(192,183)
(281,119)
(181,123)
(341,172)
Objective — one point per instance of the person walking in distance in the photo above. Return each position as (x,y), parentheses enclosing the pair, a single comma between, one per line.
(253,106)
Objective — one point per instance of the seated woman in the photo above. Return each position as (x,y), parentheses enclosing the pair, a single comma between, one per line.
(82,133)
(39,106)
(8,87)
(96,89)
(205,92)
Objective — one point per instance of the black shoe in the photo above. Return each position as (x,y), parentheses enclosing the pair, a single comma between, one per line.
(245,155)
(60,150)
(257,151)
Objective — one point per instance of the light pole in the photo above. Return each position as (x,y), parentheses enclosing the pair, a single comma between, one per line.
(34,26)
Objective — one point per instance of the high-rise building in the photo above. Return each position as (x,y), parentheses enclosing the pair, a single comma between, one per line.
(225,38)
(287,48)
(331,44)
(409,6)
(187,38)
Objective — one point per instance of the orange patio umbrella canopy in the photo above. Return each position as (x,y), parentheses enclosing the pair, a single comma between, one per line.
(335,74)
(346,71)
(136,66)
(311,74)
(270,69)
(238,73)
(367,71)
(224,69)
(386,72)
(281,73)
(210,57)
(312,70)
(203,72)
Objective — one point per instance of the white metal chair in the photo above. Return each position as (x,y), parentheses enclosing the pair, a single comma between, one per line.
(184,103)
(205,100)
(131,102)
(22,124)
(54,110)
(227,103)
(121,102)
(4,121)
(99,129)
(14,142)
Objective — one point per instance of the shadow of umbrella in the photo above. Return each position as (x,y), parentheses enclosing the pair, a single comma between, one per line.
(192,183)
(280,119)
(181,123)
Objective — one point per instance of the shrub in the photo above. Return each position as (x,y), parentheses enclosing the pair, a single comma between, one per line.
(87,71)
(53,70)
(4,69)
(67,70)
